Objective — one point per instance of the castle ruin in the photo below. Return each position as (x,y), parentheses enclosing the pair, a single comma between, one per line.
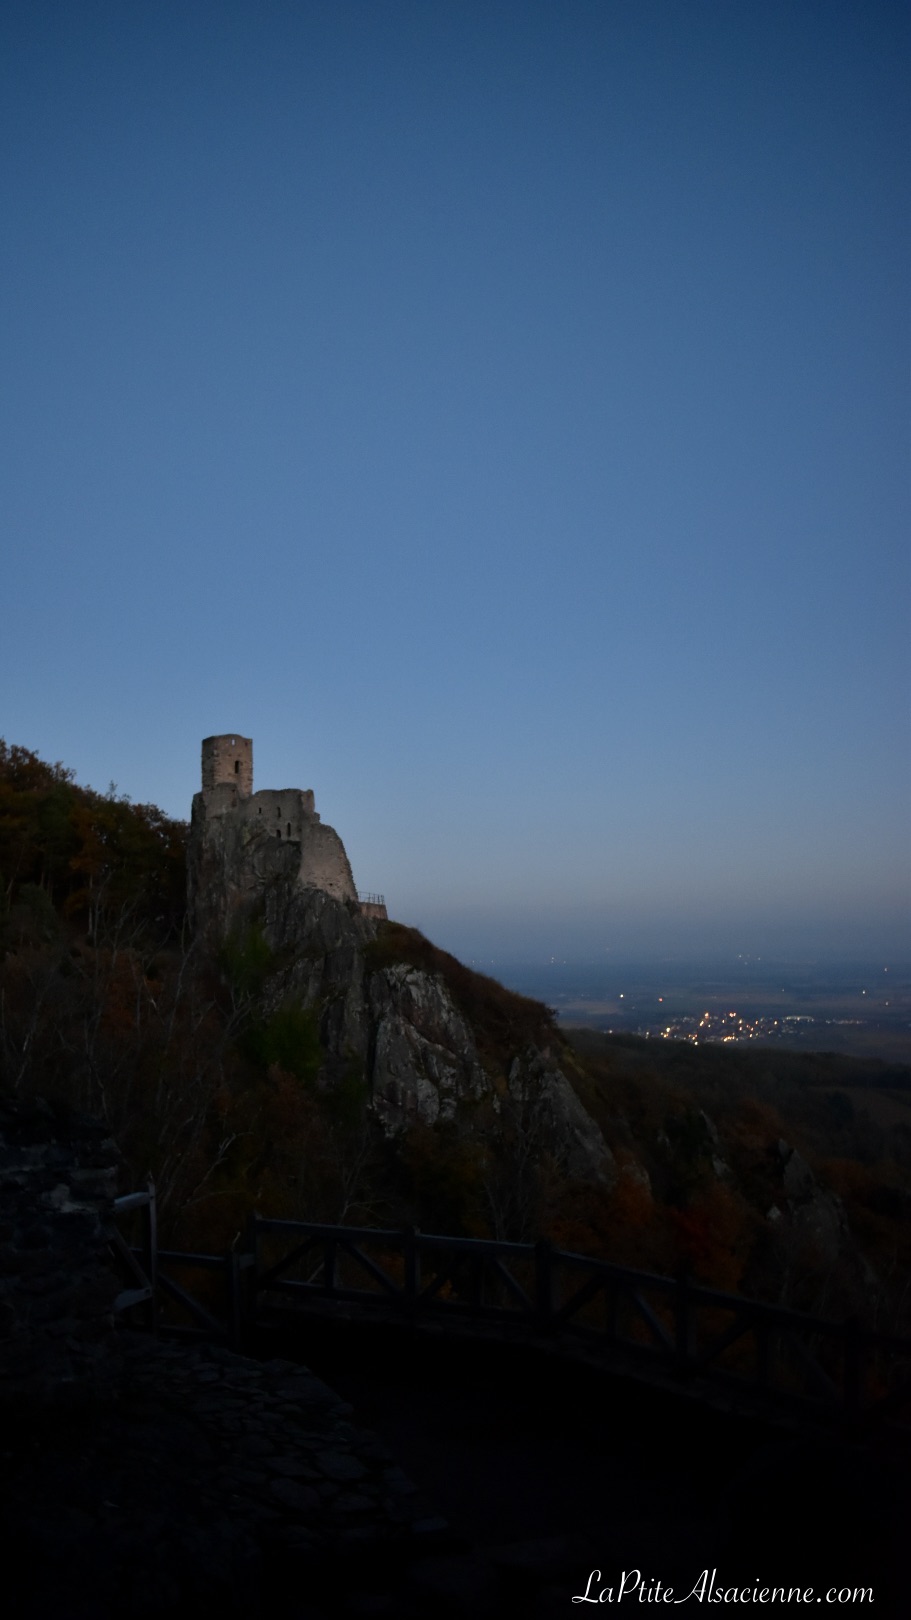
(240,840)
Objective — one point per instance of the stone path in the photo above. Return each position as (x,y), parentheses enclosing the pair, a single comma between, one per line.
(207,1484)
(216,1485)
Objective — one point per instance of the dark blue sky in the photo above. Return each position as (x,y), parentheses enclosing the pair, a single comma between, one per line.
(500,412)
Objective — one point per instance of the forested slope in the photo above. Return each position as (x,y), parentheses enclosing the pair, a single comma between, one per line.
(760,1171)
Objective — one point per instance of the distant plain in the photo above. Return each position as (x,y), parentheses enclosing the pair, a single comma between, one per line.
(859,1008)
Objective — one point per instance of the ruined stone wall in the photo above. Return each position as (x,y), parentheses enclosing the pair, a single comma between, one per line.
(242,843)
(220,800)
(324,863)
(237,854)
(280,812)
(228,758)
(57,1280)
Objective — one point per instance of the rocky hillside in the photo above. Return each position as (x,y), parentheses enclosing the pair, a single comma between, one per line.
(313,1062)
(435,1043)
(307,1058)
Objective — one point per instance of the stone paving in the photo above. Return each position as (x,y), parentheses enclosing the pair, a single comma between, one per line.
(209,1482)
(213,1484)
(144,1476)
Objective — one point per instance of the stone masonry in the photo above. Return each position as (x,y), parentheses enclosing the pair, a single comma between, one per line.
(57,1286)
(228,759)
(242,842)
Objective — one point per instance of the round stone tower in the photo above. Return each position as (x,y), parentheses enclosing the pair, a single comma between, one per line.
(228,759)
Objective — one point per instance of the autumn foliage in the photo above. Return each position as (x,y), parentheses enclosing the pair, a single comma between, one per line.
(216,1092)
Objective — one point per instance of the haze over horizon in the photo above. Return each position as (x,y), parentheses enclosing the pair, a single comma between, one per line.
(499,412)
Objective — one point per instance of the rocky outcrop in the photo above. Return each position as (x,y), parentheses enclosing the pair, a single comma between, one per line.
(691,1147)
(399,1026)
(425,1061)
(820,1260)
(263,869)
(535,1080)
(806,1213)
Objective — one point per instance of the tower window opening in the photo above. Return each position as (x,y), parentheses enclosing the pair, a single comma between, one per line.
(237,767)
(289,829)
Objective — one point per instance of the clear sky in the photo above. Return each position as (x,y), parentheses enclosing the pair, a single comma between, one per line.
(498,410)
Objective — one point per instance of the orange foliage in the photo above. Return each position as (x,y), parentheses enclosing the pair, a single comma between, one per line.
(710,1237)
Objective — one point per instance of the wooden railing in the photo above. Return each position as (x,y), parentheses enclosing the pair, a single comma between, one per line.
(145,1265)
(140,1264)
(662,1327)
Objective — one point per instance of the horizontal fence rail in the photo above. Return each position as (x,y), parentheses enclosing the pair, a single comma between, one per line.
(635,1320)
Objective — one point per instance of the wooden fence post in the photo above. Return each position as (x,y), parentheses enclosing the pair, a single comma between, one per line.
(853,1371)
(476,1280)
(412,1258)
(683,1325)
(544,1285)
(763,1341)
(251,1286)
(329,1252)
(150,1252)
(233,1301)
(611,1310)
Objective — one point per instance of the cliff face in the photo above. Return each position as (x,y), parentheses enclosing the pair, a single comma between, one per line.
(396,1023)
(400,1025)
